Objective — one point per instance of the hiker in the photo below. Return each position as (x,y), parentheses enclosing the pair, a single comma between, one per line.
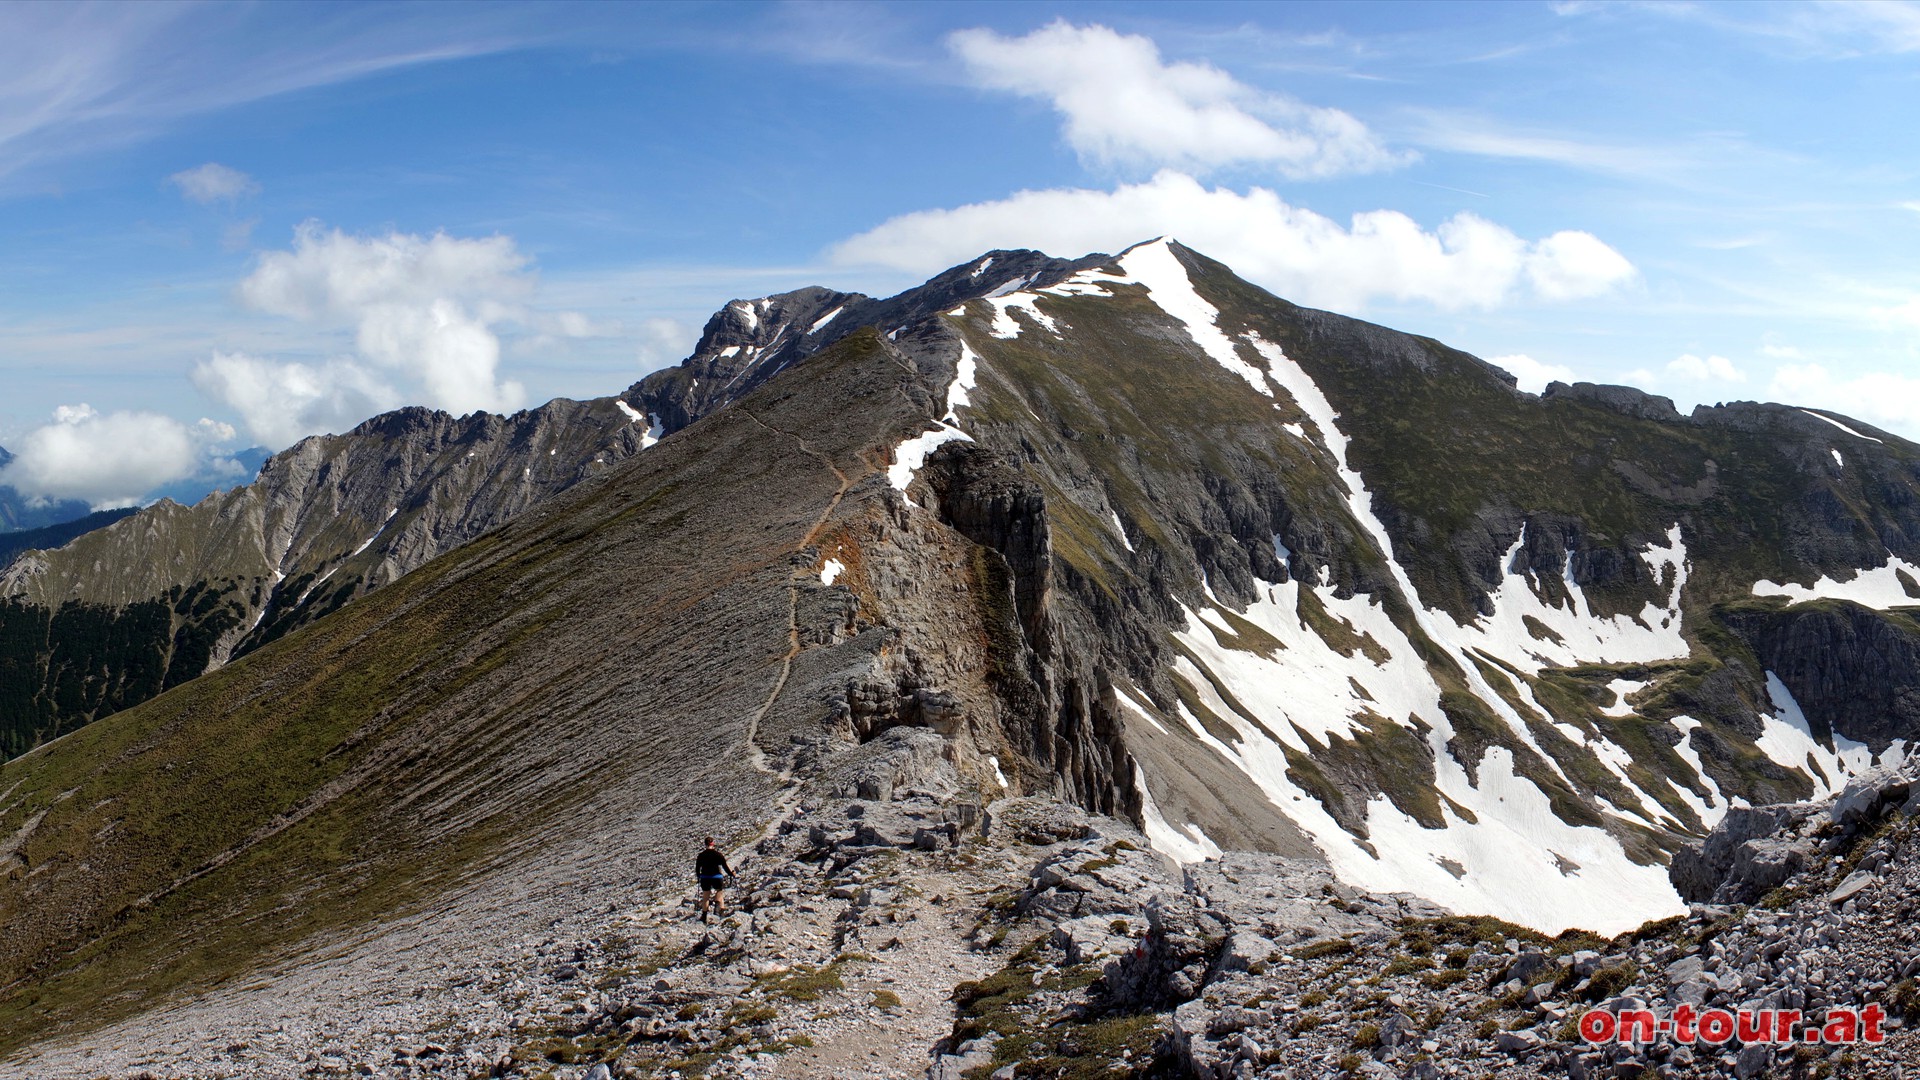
(710,866)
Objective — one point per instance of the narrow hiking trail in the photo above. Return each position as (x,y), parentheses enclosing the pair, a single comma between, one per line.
(755,755)
(840,962)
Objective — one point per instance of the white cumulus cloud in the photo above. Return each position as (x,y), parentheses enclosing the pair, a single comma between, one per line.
(1121,103)
(108,459)
(1570,264)
(1534,375)
(1465,262)
(1688,379)
(214,182)
(425,312)
(282,401)
(1705,369)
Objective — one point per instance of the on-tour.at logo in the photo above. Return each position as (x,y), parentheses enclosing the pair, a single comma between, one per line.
(1714,1027)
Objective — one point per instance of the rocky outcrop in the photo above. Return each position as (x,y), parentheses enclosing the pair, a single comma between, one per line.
(1052,677)
(1625,400)
(1855,672)
(1743,858)
(1754,850)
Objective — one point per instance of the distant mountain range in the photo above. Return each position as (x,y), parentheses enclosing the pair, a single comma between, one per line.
(20,514)
(17,512)
(1128,531)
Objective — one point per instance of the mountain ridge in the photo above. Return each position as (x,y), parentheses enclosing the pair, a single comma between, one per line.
(1131,533)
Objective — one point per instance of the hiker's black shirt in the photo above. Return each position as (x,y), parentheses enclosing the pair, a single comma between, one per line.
(711,864)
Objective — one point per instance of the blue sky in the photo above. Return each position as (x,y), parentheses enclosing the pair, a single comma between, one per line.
(236,224)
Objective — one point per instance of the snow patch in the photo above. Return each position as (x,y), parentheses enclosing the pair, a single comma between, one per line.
(825,319)
(1296,431)
(656,428)
(1313,403)
(1841,426)
(910,455)
(998,776)
(1012,296)
(1838,461)
(1129,702)
(1006,327)
(1512,853)
(1513,857)
(1577,634)
(1010,286)
(1879,587)
(1621,689)
(1119,530)
(747,313)
(982,268)
(729,352)
(1788,739)
(1714,807)
(1089,283)
(368,542)
(831,570)
(1306,685)
(1159,269)
(633,414)
(966,371)
(1186,844)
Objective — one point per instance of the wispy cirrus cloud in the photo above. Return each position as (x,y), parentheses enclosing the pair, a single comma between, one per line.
(1469,133)
(76,78)
(1828,29)
(213,183)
